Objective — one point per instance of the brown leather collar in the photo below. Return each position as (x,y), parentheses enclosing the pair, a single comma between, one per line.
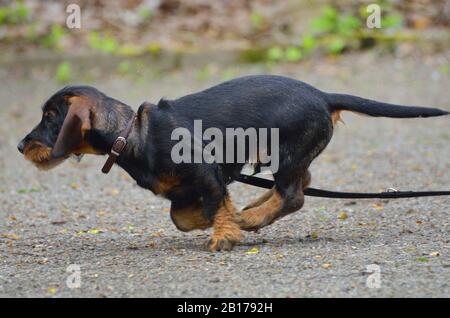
(118,146)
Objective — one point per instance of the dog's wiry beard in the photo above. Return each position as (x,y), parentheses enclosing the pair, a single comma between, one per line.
(41,156)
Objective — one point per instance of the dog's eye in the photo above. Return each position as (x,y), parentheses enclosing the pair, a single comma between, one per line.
(49,114)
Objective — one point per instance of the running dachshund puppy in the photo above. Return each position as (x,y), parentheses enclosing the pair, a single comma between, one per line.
(82,120)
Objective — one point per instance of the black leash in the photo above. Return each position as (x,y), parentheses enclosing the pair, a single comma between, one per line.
(390,194)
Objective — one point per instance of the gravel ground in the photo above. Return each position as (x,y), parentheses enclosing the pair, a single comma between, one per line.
(126,246)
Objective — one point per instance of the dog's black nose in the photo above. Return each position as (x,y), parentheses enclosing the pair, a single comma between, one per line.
(21,146)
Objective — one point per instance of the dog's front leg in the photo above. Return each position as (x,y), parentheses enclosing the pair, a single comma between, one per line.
(189,216)
(221,211)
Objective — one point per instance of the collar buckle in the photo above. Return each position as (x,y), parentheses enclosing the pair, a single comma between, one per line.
(118,145)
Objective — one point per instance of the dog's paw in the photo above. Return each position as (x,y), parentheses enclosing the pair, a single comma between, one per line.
(248,222)
(225,238)
(220,244)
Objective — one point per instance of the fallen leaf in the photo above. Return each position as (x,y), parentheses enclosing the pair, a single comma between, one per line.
(421,23)
(101,213)
(253,250)
(422,259)
(342,216)
(314,235)
(11,236)
(435,254)
(158,233)
(94,231)
(378,206)
(326,265)
(74,186)
(417,168)
(52,290)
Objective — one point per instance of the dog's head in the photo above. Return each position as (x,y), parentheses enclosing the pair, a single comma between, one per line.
(68,117)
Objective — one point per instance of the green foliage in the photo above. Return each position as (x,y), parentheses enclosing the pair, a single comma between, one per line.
(227,74)
(347,25)
(327,22)
(336,45)
(309,43)
(128,50)
(52,40)
(290,54)
(63,72)
(145,14)
(337,32)
(256,19)
(394,20)
(27,190)
(275,54)
(124,67)
(203,74)
(105,43)
(293,54)
(15,14)
(444,69)
(254,55)
(154,48)
(334,23)
(339,27)
(332,32)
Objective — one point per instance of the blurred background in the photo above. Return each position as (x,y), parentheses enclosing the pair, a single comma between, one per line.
(150,39)
(140,50)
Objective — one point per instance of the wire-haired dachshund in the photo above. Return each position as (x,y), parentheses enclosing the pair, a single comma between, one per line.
(82,120)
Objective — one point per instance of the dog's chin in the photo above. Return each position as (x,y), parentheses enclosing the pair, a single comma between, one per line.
(41,156)
(47,165)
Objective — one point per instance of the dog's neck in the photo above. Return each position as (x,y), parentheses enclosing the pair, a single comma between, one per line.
(132,160)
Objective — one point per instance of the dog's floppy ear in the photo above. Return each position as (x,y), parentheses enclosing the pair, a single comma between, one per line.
(75,126)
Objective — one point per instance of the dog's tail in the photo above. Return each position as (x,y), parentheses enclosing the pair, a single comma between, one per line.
(339,102)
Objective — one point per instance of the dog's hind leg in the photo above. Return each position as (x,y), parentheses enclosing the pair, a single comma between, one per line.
(284,199)
(266,195)
(263,198)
